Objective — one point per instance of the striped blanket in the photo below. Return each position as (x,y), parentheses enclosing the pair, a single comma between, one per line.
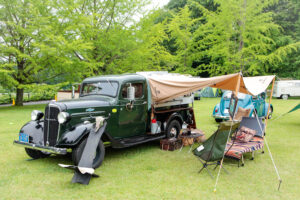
(239,148)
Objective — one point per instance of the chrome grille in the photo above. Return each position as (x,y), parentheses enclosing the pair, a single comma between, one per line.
(51,125)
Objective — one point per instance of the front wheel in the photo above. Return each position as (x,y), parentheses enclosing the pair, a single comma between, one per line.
(173,129)
(98,156)
(36,154)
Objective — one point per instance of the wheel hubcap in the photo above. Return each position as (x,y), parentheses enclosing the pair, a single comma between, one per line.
(173,132)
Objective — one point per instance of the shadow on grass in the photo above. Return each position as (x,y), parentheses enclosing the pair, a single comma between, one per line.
(110,153)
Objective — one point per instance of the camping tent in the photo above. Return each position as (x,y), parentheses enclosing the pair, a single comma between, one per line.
(210,92)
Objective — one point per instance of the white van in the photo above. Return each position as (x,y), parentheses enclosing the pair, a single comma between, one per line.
(286,89)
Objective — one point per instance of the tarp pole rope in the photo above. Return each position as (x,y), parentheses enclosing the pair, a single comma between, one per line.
(221,164)
(270,154)
(266,123)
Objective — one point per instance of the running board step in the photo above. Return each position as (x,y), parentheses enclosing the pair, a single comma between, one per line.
(127,142)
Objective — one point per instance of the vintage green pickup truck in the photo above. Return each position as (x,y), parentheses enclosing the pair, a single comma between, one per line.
(125,100)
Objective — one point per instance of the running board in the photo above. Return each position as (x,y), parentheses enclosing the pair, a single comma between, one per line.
(127,142)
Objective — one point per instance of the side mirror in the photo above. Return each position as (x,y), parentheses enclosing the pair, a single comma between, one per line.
(263,95)
(131,93)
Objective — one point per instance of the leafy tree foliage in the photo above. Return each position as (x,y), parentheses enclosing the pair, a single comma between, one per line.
(286,14)
(32,48)
(231,36)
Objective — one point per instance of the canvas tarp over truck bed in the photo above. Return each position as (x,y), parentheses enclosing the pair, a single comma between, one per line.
(168,86)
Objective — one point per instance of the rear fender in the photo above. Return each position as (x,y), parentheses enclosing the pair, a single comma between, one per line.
(266,109)
(216,107)
(173,116)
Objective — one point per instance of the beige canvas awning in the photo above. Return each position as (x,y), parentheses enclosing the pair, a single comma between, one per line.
(165,87)
(257,84)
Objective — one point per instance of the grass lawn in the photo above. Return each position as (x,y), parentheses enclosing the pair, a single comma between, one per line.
(146,172)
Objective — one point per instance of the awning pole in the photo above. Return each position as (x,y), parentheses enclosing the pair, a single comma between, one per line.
(221,163)
(270,100)
(238,84)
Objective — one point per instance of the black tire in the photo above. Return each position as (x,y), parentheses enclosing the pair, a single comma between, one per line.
(173,129)
(254,113)
(36,154)
(285,96)
(271,112)
(219,120)
(99,157)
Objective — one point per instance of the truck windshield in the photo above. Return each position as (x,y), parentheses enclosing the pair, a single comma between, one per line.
(105,88)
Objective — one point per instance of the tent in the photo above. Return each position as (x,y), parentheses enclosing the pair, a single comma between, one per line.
(295,108)
(210,92)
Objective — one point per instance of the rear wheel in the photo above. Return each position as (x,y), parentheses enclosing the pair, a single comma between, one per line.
(173,129)
(285,96)
(35,154)
(270,113)
(98,156)
(254,113)
(218,120)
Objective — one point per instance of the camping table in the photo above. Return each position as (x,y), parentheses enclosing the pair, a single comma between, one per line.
(192,135)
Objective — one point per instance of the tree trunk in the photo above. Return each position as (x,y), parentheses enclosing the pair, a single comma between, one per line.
(19,99)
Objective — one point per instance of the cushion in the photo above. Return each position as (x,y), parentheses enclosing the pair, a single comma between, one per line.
(245,134)
(242,112)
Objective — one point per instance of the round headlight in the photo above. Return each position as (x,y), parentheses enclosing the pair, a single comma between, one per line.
(62,117)
(36,115)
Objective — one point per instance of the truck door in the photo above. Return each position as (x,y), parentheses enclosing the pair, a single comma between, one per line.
(133,119)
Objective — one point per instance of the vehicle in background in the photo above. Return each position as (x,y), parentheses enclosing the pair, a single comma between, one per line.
(197,95)
(286,89)
(257,103)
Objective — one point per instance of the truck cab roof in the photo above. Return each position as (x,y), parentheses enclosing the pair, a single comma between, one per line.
(119,78)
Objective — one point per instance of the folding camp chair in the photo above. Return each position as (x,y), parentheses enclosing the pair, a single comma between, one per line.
(212,150)
(235,149)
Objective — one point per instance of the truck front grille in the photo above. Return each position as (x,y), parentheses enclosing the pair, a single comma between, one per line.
(51,125)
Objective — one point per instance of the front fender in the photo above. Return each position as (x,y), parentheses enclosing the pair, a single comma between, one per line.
(73,137)
(35,130)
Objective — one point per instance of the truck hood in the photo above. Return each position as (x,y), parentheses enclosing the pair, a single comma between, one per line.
(85,102)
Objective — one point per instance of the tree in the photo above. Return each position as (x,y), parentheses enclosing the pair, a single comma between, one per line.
(286,14)
(32,48)
(180,29)
(238,37)
(148,51)
(108,26)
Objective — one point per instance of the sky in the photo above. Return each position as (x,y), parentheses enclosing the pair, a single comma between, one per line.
(159,3)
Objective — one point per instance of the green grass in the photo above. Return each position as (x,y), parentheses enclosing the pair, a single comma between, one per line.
(146,172)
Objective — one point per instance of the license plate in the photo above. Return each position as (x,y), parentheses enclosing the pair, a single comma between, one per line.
(226,111)
(23,137)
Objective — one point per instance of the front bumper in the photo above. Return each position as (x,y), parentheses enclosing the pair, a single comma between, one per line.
(55,150)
